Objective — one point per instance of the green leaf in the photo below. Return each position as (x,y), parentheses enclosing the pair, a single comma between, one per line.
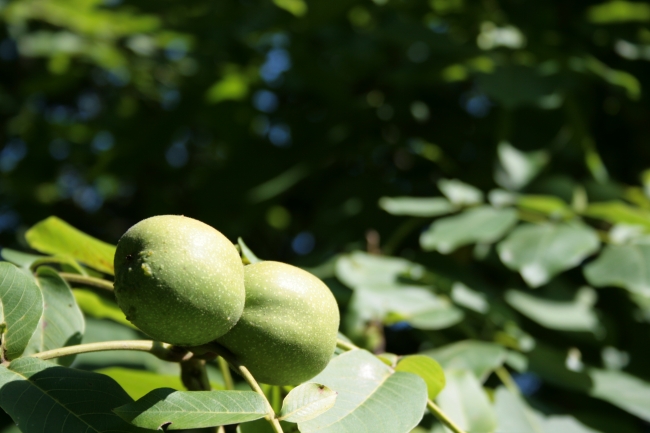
(460,193)
(428,369)
(55,236)
(58,399)
(21,307)
(577,315)
(516,168)
(623,390)
(480,357)
(514,415)
(19,258)
(619,11)
(553,207)
(296,7)
(137,383)
(247,254)
(25,260)
(468,298)
(416,206)
(306,402)
(371,397)
(363,269)
(539,252)
(616,212)
(626,266)
(466,403)
(483,224)
(99,307)
(178,410)
(414,304)
(62,323)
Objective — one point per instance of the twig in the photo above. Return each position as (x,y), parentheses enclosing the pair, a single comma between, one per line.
(434,409)
(87,281)
(163,351)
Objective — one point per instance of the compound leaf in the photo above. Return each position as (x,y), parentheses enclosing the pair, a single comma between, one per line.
(306,402)
(416,206)
(62,323)
(626,266)
(484,224)
(371,397)
(43,397)
(428,369)
(55,236)
(21,307)
(539,252)
(178,410)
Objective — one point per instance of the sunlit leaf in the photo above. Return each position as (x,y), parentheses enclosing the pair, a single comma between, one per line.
(468,298)
(516,168)
(479,357)
(428,369)
(549,205)
(306,402)
(466,403)
(539,252)
(626,266)
(413,304)
(21,307)
(363,269)
(178,410)
(296,7)
(416,206)
(58,399)
(515,415)
(484,224)
(619,11)
(576,315)
(623,390)
(55,236)
(616,212)
(370,397)
(98,307)
(460,193)
(247,254)
(62,323)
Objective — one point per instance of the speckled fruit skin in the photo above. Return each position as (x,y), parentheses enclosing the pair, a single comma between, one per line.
(288,331)
(179,280)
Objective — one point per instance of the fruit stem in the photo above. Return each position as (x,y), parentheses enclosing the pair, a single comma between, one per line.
(342,344)
(164,351)
(215,348)
(194,376)
(434,409)
(507,380)
(225,372)
(270,417)
(87,281)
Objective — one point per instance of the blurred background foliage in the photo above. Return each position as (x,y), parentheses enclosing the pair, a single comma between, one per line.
(304,127)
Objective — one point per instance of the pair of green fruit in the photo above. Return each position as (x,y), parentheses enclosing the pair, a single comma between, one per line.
(182,282)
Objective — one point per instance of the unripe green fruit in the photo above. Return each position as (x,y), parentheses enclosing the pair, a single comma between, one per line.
(288,331)
(179,280)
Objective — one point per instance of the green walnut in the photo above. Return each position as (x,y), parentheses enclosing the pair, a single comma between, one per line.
(288,331)
(179,280)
